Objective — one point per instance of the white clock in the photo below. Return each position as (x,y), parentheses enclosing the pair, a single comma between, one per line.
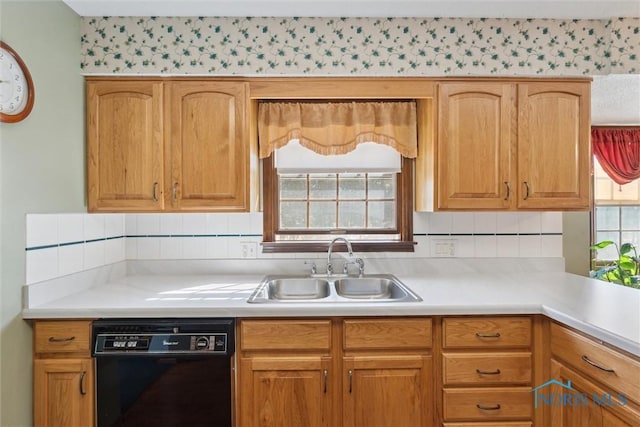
(16,86)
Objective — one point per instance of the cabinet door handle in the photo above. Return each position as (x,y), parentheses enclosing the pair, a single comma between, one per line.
(496,372)
(350,381)
(82,390)
(526,186)
(594,364)
(488,408)
(174,191)
(325,375)
(155,191)
(480,335)
(506,183)
(65,339)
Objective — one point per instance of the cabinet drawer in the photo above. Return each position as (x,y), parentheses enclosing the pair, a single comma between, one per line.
(490,424)
(617,370)
(62,336)
(387,333)
(479,404)
(486,332)
(486,368)
(285,335)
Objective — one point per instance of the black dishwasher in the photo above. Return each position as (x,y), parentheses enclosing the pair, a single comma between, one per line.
(163,372)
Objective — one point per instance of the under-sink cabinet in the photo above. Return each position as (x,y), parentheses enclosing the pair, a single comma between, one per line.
(63,374)
(330,372)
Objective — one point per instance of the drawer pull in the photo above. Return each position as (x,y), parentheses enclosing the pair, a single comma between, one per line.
(66,339)
(350,381)
(594,364)
(496,335)
(82,390)
(325,374)
(496,372)
(488,408)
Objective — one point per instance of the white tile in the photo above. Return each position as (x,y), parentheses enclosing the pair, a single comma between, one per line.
(234,249)
(485,222)
(217,223)
(70,259)
(256,223)
(148,224)
(420,223)
(94,226)
(42,230)
(239,223)
(486,246)
(114,225)
(507,223)
(148,248)
(530,246)
(440,223)
(508,246)
(131,248)
(465,247)
(171,224)
(70,228)
(195,248)
(93,254)
(195,223)
(41,264)
(529,222)
(462,222)
(551,222)
(114,251)
(551,246)
(217,247)
(421,247)
(171,248)
(131,224)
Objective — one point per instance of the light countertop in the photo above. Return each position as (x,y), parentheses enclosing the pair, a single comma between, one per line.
(606,311)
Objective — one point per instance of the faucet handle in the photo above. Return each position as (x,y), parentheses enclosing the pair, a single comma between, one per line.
(358,261)
(314,269)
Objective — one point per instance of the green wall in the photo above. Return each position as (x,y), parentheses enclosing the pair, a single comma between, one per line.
(41,170)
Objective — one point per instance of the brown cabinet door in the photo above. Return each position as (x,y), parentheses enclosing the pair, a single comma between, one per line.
(387,391)
(207,146)
(476,126)
(124,146)
(285,392)
(553,145)
(63,393)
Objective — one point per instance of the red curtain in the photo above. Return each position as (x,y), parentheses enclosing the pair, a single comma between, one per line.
(618,151)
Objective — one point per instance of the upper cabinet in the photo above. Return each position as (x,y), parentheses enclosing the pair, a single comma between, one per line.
(506,145)
(174,145)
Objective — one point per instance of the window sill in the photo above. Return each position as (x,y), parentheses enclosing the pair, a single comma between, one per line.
(290,247)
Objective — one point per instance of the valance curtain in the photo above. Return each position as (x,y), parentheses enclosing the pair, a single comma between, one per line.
(618,152)
(332,128)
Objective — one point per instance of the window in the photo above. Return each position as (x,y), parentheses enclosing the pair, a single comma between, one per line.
(617,212)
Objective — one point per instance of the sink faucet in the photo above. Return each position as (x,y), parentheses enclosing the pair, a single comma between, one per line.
(348,243)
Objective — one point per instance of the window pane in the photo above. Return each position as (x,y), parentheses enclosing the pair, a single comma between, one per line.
(352,214)
(293,215)
(322,186)
(630,217)
(607,218)
(633,238)
(293,187)
(322,215)
(609,252)
(382,186)
(382,215)
(352,186)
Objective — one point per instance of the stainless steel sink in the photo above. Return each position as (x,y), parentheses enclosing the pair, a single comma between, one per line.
(332,288)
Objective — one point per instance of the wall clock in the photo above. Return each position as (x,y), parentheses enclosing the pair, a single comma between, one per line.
(16,86)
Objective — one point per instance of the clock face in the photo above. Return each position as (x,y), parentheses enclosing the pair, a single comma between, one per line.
(14,90)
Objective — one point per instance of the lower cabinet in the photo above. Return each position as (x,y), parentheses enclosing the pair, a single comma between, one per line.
(63,374)
(384,368)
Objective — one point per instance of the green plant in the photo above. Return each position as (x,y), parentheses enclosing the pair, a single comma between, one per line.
(625,270)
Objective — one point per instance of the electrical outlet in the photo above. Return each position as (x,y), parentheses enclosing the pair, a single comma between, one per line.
(443,248)
(248,249)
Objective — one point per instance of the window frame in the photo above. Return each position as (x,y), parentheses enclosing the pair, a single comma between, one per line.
(404,218)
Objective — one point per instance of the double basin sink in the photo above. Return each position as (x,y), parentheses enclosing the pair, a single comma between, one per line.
(333,288)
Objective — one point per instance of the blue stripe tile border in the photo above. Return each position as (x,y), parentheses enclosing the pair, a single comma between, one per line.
(137,236)
(79,242)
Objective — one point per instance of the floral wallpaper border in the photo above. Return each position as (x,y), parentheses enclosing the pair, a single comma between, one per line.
(359,46)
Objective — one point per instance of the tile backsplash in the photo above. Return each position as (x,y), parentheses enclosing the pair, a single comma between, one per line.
(62,244)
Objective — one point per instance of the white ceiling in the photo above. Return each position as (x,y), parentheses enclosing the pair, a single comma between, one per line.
(580,9)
